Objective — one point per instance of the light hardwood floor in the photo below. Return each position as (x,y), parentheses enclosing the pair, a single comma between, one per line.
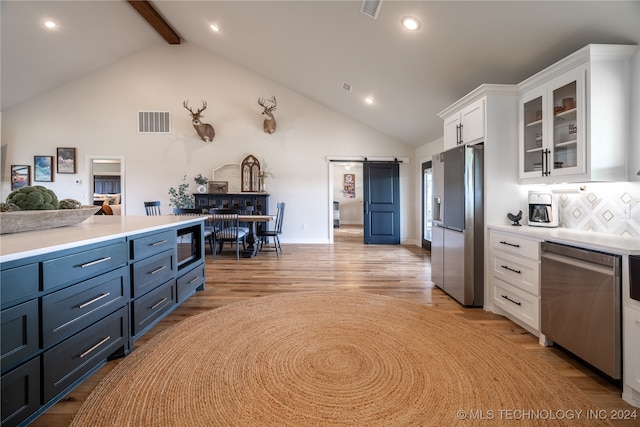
(349,266)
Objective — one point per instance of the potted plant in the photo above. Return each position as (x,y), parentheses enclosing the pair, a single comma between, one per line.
(202,183)
(180,198)
(265,172)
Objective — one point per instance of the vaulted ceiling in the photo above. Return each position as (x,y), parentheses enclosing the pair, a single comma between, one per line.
(313,47)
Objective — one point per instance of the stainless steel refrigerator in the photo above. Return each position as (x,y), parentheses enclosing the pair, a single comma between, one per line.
(457,248)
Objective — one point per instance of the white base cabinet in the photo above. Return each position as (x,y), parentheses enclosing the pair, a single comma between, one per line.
(631,340)
(514,264)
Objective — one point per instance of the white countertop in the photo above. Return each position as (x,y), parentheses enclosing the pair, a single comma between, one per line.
(96,229)
(587,239)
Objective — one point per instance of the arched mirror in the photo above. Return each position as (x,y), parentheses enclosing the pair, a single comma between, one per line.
(250,174)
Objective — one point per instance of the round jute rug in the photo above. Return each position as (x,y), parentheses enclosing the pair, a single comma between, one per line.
(332,358)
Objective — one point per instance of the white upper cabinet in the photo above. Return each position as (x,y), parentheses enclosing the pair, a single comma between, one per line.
(551,115)
(465,126)
(574,118)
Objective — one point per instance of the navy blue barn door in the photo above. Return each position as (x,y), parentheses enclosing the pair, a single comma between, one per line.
(381,202)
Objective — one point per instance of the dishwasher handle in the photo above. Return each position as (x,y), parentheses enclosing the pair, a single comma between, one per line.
(597,268)
(606,260)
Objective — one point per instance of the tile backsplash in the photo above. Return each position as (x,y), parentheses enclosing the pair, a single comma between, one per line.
(612,208)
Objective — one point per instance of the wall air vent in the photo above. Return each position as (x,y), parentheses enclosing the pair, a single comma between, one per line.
(371,8)
(154,122)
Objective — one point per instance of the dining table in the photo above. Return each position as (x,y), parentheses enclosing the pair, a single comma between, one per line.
(252,241)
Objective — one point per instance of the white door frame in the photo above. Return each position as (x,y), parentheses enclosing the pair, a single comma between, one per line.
(89,162)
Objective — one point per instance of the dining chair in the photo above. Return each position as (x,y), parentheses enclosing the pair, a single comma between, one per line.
(226,229)
(264,235)
(208,229)
(246,210)
(152,208)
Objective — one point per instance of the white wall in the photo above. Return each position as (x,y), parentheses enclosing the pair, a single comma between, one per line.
(97,115)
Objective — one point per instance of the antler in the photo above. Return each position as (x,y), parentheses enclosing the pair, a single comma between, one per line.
(272,100)
(185,104)
(204,106)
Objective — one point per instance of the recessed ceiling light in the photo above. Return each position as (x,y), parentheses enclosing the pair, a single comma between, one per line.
(50,24)
(369,100)
(410,23)
(214,27)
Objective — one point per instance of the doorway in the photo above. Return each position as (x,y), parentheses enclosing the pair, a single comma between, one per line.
(427,201)
(386,196)
(106,175)
(347,214)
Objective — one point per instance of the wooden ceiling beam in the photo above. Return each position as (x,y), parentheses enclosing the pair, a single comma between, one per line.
(151,15)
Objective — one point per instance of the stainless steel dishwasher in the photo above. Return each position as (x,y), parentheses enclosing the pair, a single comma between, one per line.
(581,304)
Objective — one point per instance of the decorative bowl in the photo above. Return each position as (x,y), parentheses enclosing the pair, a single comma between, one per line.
(17,222)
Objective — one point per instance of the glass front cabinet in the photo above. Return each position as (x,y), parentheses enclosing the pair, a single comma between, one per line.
(573,118)
(552,128)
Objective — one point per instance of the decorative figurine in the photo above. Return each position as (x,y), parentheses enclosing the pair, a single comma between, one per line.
(515,218)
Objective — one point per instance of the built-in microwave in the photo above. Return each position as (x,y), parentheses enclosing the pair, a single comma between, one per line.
(189,245)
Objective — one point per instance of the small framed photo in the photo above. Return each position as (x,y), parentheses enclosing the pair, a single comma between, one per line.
(66,160)
(43,168)
(218,187)
(20,176)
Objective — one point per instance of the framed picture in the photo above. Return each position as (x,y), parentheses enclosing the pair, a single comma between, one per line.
(66,160)
(43,168)
(349,190)
(20,176)
(218,187)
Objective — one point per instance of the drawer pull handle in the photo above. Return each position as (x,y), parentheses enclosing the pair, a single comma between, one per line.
(86,353)
(94,300)
(158,270)
(195,279)
(154,306)
(510,300)
(506,267)
(98,261)
(515,245)
(160,242)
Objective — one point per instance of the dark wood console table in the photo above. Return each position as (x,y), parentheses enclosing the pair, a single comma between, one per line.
(241,201)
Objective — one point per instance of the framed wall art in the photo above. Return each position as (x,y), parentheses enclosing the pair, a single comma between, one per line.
(43,168)
(66,160)
(20,176)
(349,190)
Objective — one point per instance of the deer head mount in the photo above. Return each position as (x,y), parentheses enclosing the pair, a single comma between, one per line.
(205,131)
(270,121)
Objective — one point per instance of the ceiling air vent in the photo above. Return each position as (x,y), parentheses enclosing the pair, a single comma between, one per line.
(346,86)
(371,8)
(154,122)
